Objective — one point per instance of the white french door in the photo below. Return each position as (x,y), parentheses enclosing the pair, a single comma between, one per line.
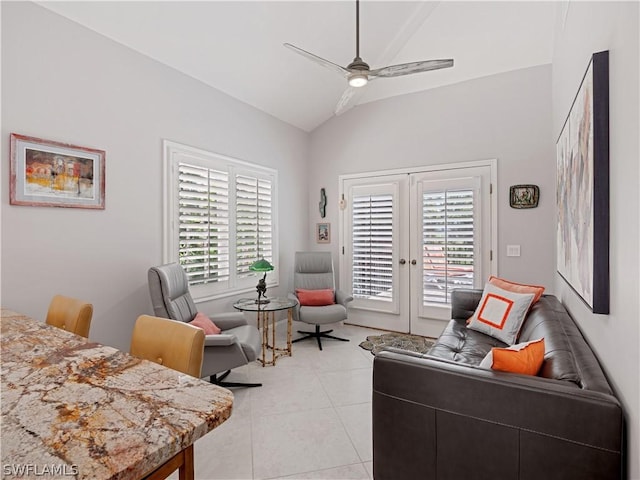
(410,238)
(374,221)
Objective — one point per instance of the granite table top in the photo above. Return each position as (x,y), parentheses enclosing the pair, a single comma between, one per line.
(72,408)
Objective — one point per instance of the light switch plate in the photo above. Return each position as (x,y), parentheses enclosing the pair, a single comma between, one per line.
(513,250)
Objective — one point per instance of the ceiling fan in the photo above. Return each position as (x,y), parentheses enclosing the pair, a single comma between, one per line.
(358,72)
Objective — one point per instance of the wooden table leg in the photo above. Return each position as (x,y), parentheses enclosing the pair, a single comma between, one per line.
(187,470)
(182,461)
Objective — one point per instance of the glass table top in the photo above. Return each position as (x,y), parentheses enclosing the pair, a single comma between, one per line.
(275,303)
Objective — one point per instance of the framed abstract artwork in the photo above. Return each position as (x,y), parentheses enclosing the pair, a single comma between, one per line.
(582,190)
(53,174)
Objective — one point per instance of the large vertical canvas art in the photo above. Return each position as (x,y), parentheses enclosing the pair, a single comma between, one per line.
(582,189)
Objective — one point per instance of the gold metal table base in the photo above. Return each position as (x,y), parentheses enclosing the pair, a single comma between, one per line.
(266,316)
(267,323)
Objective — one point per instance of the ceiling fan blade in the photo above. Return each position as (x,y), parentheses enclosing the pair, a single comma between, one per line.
(408,68)
(418,17)
(319,60)
(345,103)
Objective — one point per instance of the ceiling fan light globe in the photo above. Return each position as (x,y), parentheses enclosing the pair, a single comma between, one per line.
(358,80)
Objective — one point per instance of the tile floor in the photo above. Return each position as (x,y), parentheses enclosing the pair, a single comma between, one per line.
(311,419)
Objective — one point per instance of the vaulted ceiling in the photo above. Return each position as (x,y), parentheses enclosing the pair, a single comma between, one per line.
(237,46)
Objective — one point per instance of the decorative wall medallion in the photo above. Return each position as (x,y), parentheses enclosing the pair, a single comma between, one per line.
(524,196)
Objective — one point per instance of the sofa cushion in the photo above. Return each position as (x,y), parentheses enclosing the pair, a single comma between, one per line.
(501,313)
(463,345)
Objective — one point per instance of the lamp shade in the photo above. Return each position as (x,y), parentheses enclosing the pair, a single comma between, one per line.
(261,266)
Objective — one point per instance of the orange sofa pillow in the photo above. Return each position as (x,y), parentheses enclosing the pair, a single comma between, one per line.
(205,323)
(525,358)
(517,287)
(315,298)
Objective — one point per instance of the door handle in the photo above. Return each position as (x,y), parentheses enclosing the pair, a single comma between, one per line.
(413,262)
(402,261)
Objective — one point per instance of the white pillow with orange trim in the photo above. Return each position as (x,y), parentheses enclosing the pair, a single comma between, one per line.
(525,358)
(501,313)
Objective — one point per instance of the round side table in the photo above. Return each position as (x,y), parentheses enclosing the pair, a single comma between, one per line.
(267,323)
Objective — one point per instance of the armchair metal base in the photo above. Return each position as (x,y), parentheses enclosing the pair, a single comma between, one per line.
(219,381)
(318,335)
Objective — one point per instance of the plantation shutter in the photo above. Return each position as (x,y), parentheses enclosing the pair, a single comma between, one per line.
(203,209)
(372,246)
(448,243)
(220,217)
(254,222)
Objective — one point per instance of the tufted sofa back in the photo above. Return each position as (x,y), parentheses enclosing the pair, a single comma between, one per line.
(568,357)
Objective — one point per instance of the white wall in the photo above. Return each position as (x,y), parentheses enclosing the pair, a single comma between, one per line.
(592,27)
(503,116)
(63,82)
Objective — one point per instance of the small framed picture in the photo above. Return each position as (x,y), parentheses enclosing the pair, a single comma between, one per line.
(524,196)
(52,174)
(323,232)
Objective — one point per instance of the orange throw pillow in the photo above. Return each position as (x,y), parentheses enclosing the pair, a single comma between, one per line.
(517,287)
(315,298)
(525,358)
(205,323)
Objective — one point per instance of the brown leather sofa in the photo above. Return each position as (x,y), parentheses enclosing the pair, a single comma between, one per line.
(440,416)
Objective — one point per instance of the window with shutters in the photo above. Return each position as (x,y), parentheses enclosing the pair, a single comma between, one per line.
(203,221)
(372,257)
(219,218)
(448,243)
(254,222)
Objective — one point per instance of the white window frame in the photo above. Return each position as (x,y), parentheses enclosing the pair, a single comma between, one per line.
(175,153)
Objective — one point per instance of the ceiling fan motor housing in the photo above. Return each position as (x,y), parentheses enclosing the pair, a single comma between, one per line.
(358,64)
(359,73)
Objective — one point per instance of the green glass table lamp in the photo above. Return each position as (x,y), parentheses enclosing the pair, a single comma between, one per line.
(261,266)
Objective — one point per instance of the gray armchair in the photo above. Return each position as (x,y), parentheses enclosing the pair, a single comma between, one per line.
(314,271)
(238,344)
